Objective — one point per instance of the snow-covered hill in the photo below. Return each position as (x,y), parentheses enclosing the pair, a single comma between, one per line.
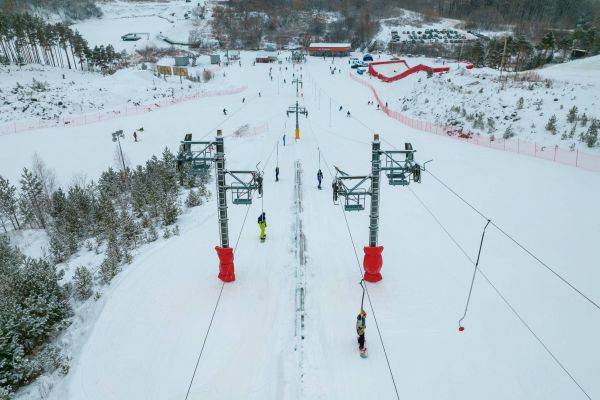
(482,101)
(144,337)
(167,328)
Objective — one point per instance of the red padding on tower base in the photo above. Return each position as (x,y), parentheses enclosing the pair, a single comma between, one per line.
(226,270)
(373,263)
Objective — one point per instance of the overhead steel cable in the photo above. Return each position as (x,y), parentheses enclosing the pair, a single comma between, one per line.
(220,294)
(508,304)
(360,269)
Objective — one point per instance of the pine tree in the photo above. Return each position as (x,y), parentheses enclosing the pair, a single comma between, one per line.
(8,202)
(591,136)
(551,125)
(508,133)
(193,199)
(83,283)
(152,234)
(491,124)
(32,195)
(572,116)
(110,267)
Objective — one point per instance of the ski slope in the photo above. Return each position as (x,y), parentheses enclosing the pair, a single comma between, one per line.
(167,317)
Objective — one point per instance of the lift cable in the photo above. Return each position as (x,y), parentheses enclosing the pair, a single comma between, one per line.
(508,304)
(564,280)
(220,294)
(515,312)
(460,327)
(365,289)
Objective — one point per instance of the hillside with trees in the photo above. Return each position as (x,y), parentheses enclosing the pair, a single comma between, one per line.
(69,9)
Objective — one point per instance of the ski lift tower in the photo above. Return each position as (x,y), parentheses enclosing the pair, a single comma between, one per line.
(400,168)
(196,158)
(297,110)
(298,82)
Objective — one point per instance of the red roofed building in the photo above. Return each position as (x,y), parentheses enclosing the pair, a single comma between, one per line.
(329,49)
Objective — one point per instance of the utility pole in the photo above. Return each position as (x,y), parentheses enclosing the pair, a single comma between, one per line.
(195,158)
(503,62)
(297,82)
(221,190)
(400,172)
(297,110)
(375,174)
(116,137)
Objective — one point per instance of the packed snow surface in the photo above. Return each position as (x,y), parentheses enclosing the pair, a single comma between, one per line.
(143,338)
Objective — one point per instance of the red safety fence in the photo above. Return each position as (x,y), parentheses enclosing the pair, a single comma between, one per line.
(127,111)
(555,153)
(404,74)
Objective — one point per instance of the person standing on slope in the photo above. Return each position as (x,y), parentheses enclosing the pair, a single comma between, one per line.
(361,326)
(277,174)
(319,178)
(262,224)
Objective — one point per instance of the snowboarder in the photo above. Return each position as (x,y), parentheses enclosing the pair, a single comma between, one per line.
(262,224)
(340,108)
(378,106)
(224,111)
(319,178)
(243,99)
(135,135)
(348,114)
(284,139)
(277,174)
(259,95)
(361,326)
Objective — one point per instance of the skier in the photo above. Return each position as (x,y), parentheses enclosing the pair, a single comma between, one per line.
(277,174)
(135,135)
(243,99)
(319,178)
(224,111)
(378,106)
(284,139)
(262,223)
(340,108)
(259,95)
(361,326)
(348,114)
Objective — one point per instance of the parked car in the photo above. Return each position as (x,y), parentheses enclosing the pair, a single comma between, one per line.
(130,37)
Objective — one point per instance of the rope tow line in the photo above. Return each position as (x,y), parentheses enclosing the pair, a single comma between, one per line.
(460,327)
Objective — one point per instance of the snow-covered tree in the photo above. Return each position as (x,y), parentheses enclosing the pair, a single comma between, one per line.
(83,283)
(33,201)
(8,202)
(572,115)
(551,125)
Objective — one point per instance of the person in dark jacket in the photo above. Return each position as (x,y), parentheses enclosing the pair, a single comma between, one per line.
(319,177)
(361,326)
(262,224)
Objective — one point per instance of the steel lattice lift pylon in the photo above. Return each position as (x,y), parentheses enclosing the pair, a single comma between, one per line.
(297,110)
(399,170)
(196,158)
